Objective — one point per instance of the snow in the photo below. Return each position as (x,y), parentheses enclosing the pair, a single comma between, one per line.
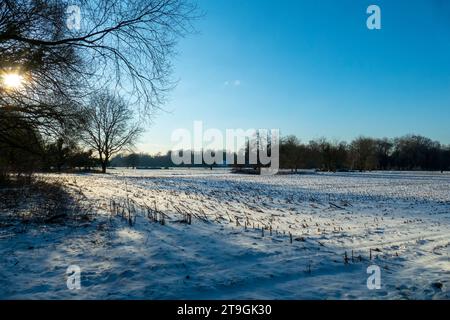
(403,219)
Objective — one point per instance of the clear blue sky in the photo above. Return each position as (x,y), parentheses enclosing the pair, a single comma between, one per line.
(312,68)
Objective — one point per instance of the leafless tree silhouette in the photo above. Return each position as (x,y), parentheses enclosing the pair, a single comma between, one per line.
(125,45)
(109,127)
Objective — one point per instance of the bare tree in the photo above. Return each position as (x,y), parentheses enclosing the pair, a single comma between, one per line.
(109,127)
(121,45)
(117,42)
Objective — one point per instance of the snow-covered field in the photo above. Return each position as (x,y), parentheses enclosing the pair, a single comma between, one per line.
(251,237)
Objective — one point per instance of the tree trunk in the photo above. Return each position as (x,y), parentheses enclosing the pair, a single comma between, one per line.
(103,166)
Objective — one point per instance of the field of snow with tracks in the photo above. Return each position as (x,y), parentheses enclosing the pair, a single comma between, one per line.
(200,234)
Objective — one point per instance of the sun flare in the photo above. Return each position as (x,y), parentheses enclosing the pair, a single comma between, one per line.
(12,80)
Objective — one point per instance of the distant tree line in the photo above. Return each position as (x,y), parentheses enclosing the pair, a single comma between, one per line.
(142,160)
(411,152)
(32,152)
(137,160)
